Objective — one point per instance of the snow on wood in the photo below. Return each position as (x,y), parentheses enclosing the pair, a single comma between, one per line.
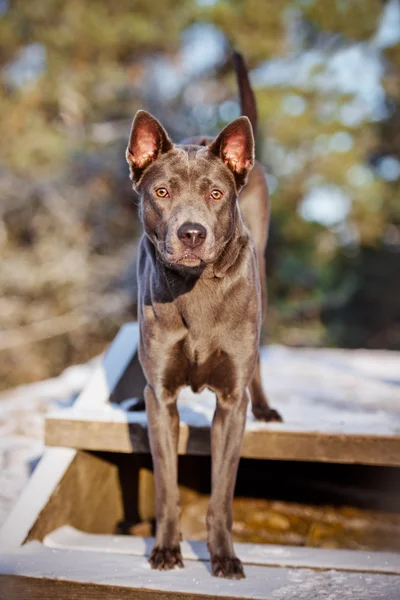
(69,538)
(315,390)
(44,565)
(350,390)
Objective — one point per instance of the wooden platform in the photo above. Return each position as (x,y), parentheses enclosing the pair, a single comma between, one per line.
(69,538)
(71,565)
(338,406)
(51,547)
(59,543)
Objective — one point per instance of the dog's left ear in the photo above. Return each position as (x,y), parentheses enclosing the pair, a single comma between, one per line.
(147,141)
(235,146)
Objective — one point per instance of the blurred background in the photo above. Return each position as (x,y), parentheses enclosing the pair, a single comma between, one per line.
(72,74)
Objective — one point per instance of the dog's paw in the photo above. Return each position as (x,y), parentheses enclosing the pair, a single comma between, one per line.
(267,414)
(227,566)
(164,559)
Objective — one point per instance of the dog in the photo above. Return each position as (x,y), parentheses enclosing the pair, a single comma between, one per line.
(201,298)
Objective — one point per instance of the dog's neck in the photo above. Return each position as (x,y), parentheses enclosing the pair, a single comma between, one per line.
(230,255)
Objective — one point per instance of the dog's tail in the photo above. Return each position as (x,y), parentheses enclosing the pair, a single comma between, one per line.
(248,106)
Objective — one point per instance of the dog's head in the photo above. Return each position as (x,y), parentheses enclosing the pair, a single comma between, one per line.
(188,193)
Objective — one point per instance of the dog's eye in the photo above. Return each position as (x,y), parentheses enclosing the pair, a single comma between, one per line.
(162,193)
(216,194)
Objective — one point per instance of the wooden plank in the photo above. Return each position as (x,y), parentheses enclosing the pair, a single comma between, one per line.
(337,408)
(323,447)
(88,497)
(68,487)
(107,375)
(40,509)
(34,569)
(97,430)
(41,486)
(69,538)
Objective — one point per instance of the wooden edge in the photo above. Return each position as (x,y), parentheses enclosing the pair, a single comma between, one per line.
(18,587)
(69,538)
(350,448)
(52,572)
(47,476)
(88,497)
(112,367)
(272,444)
(68,487)
(56,461)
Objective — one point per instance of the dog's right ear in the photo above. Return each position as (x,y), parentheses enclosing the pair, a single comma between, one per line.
(147,141)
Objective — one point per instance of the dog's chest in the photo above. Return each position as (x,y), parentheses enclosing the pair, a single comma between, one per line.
(206,336)
(213,348)
(217,372)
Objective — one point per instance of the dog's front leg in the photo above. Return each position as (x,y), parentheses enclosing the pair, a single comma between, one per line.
(226,441)
(163,422)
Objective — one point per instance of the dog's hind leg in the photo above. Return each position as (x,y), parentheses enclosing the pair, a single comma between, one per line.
(259,403)
(163,422)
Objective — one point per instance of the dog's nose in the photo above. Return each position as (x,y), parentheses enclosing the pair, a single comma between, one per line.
(192,234)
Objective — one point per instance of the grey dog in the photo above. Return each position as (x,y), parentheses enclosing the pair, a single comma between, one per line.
(204,207)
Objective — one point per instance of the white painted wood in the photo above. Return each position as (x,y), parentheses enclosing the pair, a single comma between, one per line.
(109,372)
(69,538)
(40,487)
(132,572)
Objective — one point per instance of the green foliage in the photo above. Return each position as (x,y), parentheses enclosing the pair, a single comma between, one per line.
(93,54)
(257,29)
(353,19)
(56,127)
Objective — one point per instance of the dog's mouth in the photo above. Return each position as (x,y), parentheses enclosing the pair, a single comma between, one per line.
(189,257)
(189,261)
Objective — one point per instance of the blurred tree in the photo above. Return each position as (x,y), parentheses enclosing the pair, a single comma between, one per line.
(67,65)
(325,147)
(72,74)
